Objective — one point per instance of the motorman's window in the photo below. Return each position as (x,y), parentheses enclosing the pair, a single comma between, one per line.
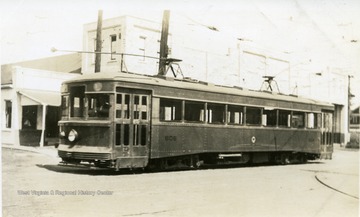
(215,113)
(298,120)
(235,114)
(194,111)
(98,105)
(170,110)
(253,116)
(269,117)
(284,118)
(77,98)
(65,106)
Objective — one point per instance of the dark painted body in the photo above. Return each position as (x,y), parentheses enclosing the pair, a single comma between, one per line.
(132,142)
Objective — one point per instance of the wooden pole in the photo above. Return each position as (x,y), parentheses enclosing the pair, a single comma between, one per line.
(98,43)
(163,43)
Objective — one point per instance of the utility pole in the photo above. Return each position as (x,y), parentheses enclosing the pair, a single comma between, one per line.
(163,43)
(98,43)
(350,95)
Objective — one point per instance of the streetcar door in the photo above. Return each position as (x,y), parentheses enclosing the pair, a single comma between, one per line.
(132,124)
(327,136)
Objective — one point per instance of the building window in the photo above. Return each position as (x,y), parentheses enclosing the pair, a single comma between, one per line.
(29,116)
(113,46)
(8,113)
(142,46)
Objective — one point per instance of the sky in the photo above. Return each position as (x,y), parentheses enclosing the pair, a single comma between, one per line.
(315,35)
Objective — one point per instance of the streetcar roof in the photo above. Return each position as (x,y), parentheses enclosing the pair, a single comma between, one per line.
(191,85)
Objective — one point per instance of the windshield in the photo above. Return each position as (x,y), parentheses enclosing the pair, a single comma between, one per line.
(98,105)
(77,104)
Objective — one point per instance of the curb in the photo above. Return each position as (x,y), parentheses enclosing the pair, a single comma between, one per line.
(50,151)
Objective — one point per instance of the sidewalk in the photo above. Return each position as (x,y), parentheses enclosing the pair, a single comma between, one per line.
(47,150)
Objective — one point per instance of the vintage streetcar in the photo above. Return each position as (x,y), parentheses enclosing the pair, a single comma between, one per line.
(123,120)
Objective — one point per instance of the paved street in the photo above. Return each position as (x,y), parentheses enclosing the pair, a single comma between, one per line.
(33,185)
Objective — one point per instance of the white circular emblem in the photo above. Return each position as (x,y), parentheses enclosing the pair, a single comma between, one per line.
(253,139)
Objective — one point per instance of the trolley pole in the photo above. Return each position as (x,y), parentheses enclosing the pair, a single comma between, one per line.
(163,43)
(98,43)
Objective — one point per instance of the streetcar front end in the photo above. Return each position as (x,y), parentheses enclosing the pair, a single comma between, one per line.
(86,126)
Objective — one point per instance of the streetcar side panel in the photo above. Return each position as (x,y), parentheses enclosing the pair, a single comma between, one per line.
(177,140)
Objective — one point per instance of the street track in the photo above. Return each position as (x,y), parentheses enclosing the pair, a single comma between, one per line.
(335,189)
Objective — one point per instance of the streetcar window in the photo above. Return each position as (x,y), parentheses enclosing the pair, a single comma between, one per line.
(215,113)
(136,107)
(194,111)
(253,116)
(77,97)
(119,99)
(235,114)
(319,120)
(118,134)
(64,106)
(298,120)
(284,118)
(143,135)
(269,117)
(118,106)
(144,107)
(126,107)
(98,105)
(139,135)
(140,107)
(328,121)
(312,120)
(126,134)
(170,110)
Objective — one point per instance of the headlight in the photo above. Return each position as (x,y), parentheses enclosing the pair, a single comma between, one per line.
(73,135)
(62,134)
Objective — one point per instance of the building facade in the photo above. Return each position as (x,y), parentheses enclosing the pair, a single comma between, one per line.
(30,100)
(130,45)
(208,57)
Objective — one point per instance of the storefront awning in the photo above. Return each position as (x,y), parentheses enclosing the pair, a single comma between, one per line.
(36,97)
